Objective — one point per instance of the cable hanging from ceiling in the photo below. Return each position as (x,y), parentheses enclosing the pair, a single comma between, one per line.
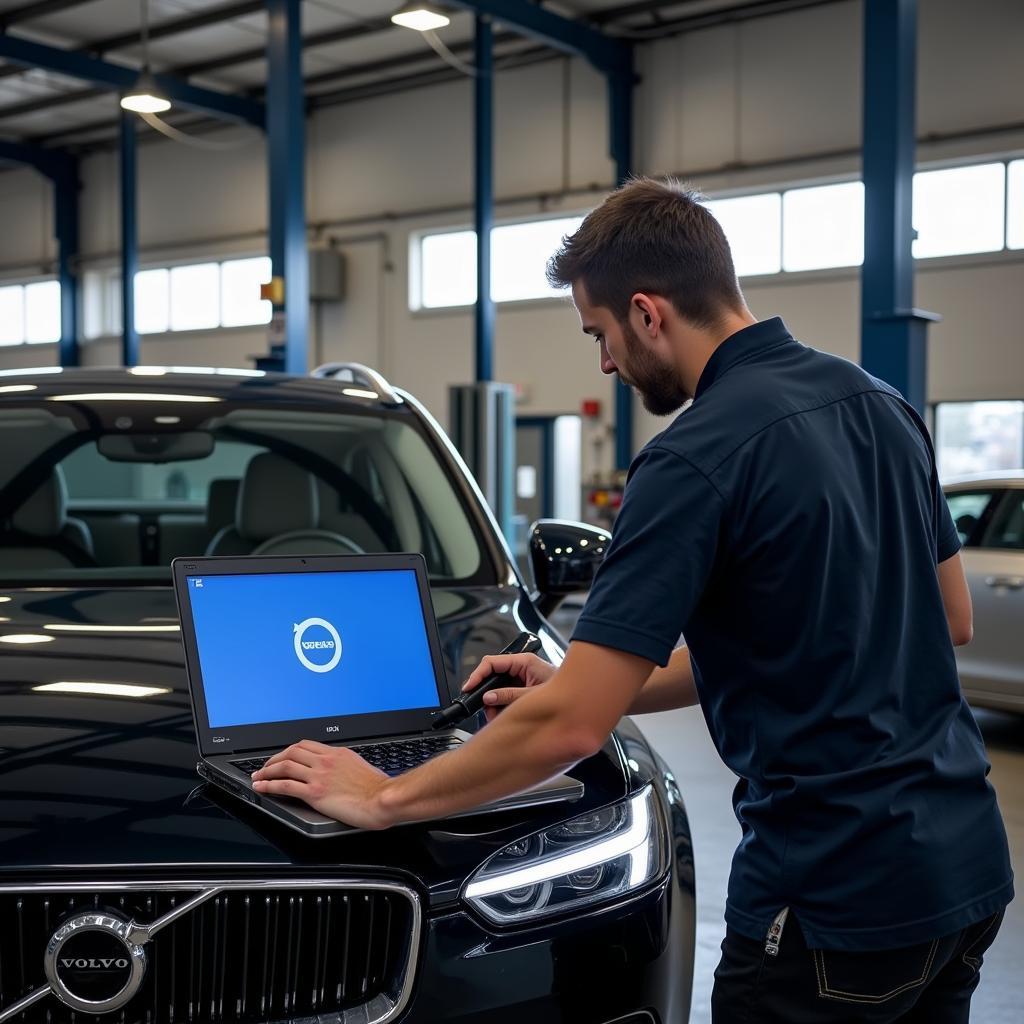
(147,100)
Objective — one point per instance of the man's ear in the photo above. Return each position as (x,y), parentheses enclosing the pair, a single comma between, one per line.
(647,310)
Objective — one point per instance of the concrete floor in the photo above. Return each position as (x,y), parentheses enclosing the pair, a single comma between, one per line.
(682,739)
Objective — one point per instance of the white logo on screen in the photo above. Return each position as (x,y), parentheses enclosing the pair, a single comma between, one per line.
(302,645)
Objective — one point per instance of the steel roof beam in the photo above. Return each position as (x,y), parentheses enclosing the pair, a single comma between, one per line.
(175,27)
(609,55)
(118,78)
(39,9)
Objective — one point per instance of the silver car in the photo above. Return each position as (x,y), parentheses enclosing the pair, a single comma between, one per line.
(989,515)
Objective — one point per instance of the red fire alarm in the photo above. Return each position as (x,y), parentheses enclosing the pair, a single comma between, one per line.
(591,407)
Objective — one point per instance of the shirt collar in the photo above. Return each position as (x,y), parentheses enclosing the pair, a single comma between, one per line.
(740,347)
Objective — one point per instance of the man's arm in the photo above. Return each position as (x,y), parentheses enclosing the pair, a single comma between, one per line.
(668,688)
(541,734)
(956,599)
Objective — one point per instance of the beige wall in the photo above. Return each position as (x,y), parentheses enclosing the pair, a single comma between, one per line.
(736,107)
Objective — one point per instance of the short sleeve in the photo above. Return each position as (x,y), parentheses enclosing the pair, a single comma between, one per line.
(659,560)
(947,540)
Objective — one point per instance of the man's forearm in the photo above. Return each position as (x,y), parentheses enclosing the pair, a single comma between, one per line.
(526,744)
(669,687)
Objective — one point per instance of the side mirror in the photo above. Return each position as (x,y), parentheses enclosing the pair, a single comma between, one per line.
(565,558)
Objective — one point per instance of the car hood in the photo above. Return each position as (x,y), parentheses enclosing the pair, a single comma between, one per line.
(106,785)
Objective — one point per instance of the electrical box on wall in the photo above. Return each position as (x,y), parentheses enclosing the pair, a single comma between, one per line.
(326,275)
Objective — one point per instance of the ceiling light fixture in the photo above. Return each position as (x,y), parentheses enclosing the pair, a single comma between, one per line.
(25,638)
(421,17)
(145,97)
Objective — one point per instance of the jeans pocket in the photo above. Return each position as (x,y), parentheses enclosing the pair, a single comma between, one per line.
(980,936)
(872,977)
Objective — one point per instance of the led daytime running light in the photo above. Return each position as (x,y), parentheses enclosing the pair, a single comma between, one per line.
(631,842)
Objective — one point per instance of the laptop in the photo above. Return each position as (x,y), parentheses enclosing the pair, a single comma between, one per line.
(337,648)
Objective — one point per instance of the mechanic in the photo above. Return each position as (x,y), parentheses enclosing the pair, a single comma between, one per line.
(789,523)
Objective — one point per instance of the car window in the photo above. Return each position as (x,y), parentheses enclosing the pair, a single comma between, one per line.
(1007,527)
(966,509)
(77,496)
(94,480)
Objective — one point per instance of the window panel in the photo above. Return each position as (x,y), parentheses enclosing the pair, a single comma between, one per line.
(823,227)
(448,269)
(12,315)
(1015,205)
(195,297)
(978,437)
(959,210)
(42,311)
(240,302)
(519,257)
(753,226)
(152,301)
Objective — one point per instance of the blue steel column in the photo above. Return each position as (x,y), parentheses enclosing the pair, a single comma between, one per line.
(620,132)
(483,162)
(65,195)
(893,332)
(129,240)
(287,157)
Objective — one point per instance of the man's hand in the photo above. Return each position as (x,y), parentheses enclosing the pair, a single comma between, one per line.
(527,667)
(335,781)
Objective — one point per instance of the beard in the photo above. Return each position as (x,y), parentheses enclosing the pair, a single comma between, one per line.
(654,380)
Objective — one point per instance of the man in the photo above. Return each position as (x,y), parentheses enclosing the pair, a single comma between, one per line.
(791,525)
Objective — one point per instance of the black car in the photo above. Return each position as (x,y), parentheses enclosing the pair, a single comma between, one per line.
(130,891)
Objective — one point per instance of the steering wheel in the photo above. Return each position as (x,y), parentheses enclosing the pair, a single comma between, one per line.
(308,542)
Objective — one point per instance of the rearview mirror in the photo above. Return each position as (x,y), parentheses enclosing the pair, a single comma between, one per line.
(195,444)
(565,557)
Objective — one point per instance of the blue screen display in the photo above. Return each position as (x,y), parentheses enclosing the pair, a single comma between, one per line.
(278,647)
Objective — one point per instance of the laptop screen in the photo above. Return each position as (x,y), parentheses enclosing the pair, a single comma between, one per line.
(279,647)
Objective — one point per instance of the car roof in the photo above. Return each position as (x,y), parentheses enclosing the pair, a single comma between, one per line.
(237,384)
(1012,478)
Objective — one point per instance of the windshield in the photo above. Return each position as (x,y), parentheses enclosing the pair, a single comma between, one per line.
(81,493)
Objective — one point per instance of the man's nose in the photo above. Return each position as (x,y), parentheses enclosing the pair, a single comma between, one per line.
(607,363)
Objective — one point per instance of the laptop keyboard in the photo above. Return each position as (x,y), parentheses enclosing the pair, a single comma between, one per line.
(393,757)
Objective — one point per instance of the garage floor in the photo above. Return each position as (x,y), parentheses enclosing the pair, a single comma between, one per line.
(682,739)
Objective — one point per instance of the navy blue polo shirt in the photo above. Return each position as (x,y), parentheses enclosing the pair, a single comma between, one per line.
(789,524)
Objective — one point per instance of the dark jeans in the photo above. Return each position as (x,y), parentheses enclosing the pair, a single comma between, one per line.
(930,983)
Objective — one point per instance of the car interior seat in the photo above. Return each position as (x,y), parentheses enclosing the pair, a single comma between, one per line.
(277,513)
(221,504)
(42,535)
(336,515)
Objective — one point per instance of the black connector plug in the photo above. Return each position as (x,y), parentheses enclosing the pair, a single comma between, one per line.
(467,704)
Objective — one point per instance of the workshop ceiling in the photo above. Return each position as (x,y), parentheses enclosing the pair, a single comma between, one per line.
(351,50)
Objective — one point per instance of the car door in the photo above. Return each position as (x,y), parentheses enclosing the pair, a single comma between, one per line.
(992,665)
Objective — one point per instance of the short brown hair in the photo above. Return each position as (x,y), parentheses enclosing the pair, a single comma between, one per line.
(651,236)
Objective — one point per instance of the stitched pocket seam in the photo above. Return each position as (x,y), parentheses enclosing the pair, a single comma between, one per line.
(855,997)
(975,962)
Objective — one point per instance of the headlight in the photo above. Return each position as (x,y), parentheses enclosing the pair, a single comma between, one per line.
(589,859)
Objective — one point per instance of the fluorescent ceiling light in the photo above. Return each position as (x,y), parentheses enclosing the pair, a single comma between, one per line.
(421,17)
(128,396)
(146,97)
(103,689)
(167,420)
(8,389)
(5,599)
(75,627)
(359,393)
(26,638)
(148,371)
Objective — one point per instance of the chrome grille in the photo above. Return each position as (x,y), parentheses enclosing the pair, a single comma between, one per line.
(250,952)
